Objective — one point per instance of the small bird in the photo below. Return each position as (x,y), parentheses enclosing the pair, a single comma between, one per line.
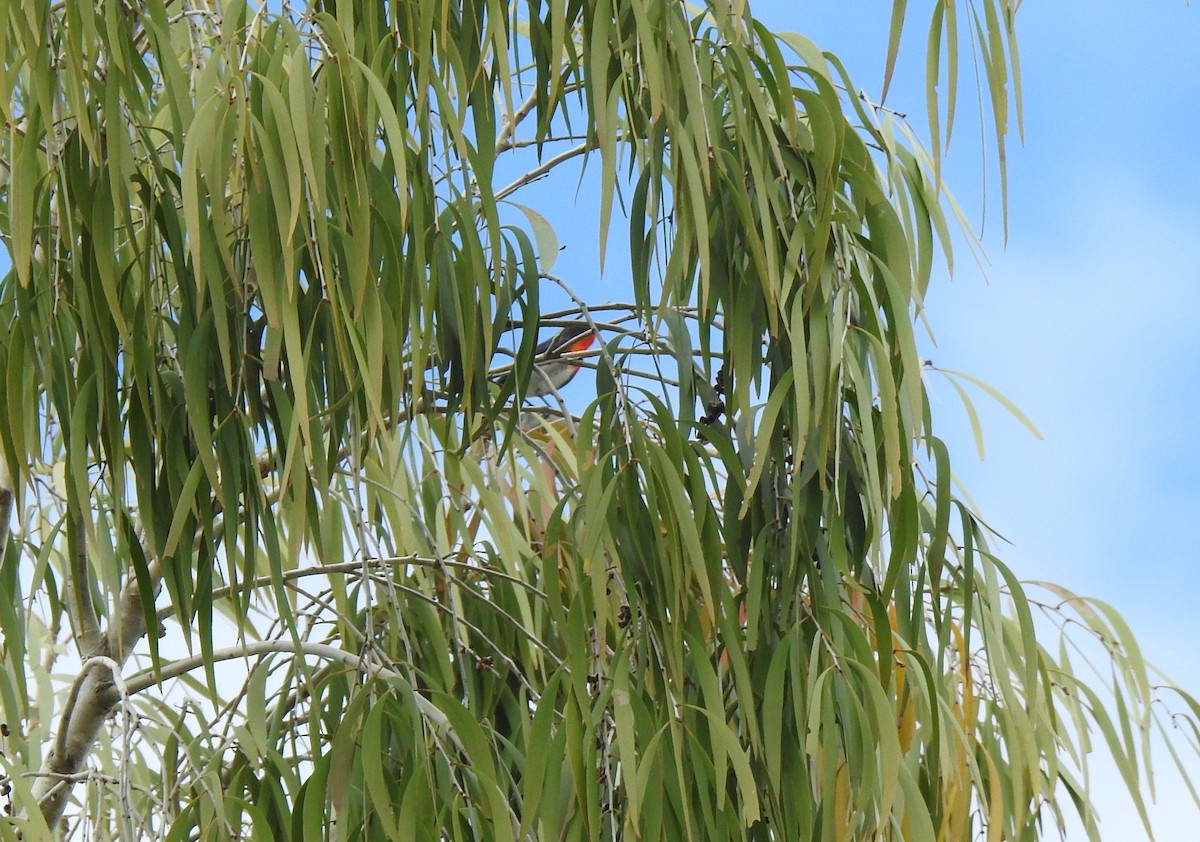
(550,371)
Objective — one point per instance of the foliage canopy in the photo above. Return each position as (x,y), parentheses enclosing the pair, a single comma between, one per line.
(267,276)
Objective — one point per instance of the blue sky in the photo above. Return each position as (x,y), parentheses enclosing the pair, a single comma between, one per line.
(1087,319)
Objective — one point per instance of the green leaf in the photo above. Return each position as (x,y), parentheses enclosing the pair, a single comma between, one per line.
(543,233)
(893,47)
(995,395)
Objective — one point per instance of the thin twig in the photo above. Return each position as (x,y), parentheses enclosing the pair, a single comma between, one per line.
(539,172)
(168,612)
(504,139)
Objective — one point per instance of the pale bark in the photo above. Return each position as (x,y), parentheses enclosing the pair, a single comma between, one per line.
(93,695)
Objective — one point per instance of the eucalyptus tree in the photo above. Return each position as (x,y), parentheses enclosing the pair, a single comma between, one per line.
(290,553)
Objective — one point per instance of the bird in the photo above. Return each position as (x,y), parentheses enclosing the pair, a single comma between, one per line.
(550,371)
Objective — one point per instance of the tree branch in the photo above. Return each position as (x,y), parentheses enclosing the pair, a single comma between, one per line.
(537,172)
(367,666)
(168,611)
(93,695)
(504,140)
